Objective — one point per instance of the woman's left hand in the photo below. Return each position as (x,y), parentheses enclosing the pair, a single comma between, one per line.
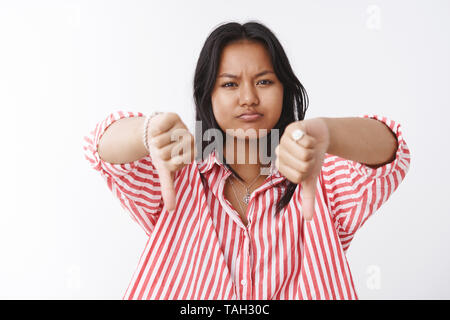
(301,161)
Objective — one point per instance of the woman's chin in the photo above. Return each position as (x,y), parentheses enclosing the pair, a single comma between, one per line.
(246,137)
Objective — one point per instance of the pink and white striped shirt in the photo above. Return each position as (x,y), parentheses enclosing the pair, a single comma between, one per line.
(204,251)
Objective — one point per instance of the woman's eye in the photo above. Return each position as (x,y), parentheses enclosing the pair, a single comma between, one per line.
(226,85)
(231,84)
(267,81)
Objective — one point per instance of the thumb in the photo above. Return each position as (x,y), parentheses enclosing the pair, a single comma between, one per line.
(167,187)
(308,193)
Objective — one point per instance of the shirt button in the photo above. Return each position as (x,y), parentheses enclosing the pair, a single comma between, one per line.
(243,282)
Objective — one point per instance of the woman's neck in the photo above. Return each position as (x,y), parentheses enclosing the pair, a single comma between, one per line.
(244,157)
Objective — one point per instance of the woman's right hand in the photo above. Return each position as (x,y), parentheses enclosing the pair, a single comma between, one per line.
(171,147)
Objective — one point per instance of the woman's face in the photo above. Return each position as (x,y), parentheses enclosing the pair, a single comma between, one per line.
(246,83)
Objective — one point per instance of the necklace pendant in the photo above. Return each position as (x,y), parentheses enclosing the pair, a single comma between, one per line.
(246,198)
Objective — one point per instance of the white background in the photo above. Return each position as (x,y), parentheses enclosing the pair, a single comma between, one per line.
(65,65)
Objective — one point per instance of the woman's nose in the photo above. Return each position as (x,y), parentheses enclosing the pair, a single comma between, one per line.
(248,95)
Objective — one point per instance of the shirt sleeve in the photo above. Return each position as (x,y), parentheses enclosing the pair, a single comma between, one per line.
(135,184)
(355,191)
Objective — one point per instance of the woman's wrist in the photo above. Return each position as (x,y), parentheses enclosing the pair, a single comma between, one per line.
(145,129)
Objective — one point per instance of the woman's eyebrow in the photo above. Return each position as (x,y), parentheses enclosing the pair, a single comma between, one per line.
(228,75)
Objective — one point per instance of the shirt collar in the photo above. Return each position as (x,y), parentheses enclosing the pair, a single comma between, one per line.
(208,163)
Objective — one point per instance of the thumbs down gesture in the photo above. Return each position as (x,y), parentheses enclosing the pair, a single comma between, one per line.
(171,147)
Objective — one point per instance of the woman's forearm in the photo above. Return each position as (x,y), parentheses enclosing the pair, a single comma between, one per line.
(122,141)
(363,140)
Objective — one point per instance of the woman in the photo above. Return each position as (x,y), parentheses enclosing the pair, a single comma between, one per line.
(222,226)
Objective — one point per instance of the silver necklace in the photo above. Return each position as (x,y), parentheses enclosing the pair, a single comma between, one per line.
(246,197)
(235,195)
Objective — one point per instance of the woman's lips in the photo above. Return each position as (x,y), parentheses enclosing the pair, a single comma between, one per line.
(250,117)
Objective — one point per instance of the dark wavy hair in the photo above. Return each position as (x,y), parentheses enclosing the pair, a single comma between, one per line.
(295,99)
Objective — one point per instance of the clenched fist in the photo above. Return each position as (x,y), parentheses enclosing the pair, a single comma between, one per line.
(301,161)
(171,147)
